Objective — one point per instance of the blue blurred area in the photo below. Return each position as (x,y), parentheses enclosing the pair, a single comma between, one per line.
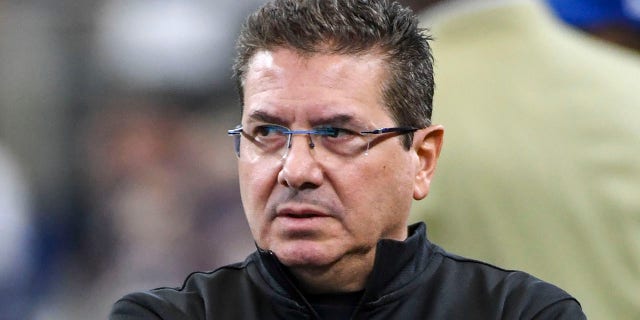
(587,13)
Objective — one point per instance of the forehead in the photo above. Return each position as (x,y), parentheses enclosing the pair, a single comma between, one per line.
(284,82)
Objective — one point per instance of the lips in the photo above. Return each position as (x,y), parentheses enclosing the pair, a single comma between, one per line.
(302,221)
(300,211)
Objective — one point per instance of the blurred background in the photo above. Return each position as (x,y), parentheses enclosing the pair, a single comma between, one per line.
(116,173)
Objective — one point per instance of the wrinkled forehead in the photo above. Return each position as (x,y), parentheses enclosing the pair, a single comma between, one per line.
(327,85)
(328,67)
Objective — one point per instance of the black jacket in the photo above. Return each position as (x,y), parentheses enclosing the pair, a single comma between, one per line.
(413,279)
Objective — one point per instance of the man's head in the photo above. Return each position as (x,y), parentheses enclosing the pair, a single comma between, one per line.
(320,185)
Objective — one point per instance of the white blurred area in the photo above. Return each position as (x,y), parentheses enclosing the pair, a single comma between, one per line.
(14,218)
(15,235)
(632,8)
(165,43)
(114,115)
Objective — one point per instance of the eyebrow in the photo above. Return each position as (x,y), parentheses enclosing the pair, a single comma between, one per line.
(336,119)
(262,116)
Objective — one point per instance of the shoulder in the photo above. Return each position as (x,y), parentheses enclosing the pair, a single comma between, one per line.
(513,294)
(190,301)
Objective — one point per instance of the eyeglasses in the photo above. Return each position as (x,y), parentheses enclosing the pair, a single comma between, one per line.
(270,139)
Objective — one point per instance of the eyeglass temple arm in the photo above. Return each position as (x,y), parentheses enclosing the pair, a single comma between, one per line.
(386,130)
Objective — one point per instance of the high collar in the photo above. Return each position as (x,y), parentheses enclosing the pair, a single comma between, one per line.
(396,264)
(399,262)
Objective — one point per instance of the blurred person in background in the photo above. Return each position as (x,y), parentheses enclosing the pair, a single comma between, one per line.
(162,195)
(541,167)
(16,240)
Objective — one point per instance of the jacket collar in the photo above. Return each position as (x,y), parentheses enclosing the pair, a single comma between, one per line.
(396,264)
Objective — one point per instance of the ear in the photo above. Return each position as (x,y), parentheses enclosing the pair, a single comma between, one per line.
(427,144)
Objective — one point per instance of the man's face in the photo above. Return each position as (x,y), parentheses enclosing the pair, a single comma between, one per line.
(309,208)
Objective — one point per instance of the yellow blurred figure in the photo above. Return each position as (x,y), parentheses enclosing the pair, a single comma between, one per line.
(541,166)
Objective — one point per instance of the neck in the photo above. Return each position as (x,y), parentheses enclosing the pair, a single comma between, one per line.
(349,274)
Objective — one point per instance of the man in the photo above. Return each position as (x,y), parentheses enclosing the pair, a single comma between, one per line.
(335,141)
(540,171)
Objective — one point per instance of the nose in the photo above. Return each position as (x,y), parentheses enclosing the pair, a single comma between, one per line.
(300,168)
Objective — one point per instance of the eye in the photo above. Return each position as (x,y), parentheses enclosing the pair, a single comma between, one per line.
(333,132)
(269,137)
(268,131)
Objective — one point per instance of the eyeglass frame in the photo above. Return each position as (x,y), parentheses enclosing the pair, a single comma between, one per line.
(238,132)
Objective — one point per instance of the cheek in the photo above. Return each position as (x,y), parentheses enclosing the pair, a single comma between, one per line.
(390,178)
(376,194)
(389,191)
(256,183)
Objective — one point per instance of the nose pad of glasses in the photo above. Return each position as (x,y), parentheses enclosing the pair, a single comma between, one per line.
(312,145)
(369,142)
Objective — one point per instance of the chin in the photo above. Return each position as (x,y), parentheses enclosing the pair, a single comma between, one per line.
(303,253)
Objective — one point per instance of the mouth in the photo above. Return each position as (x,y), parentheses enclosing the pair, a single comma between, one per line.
(300,211)
(300,214)
(296,220)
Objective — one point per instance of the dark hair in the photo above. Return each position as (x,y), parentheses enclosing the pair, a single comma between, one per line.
(350,27)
